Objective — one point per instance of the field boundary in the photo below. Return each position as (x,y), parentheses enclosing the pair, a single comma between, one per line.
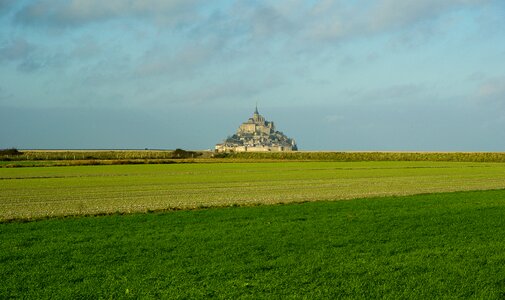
(42,158)
(223,206)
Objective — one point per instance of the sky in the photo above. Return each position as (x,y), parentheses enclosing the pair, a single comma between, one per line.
(343,75)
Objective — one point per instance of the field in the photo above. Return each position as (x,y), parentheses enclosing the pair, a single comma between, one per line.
(37,158)
(38,192)
(422,247)
(239,226)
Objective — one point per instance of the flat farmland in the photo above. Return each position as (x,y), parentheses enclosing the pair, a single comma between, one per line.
(39,192)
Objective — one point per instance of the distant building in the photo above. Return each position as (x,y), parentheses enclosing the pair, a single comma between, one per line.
(255,135)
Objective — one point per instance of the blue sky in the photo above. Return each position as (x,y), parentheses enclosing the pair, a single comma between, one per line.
(335,75)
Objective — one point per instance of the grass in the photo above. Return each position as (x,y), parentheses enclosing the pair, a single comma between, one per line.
(89,162)
(425,246)
(368,156)
(32,193)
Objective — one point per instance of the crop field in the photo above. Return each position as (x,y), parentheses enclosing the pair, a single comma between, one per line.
(36,158)
(39,192)
(413,247)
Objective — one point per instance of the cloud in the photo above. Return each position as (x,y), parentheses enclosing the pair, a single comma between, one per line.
(395,13)
(334,118)
(5,96)
(476,77)
(332,20)
(212,92)
(287,27)
(16,49)
(265,21)
(80,12)
(86,48)
(399,93)
(323,20)
(193,56)
(23,53)
(29,65)
(338,21)
(233,90)
(402,91)
(492,90)
(5,5)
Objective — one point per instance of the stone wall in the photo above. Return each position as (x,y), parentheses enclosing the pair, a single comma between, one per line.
(224,148)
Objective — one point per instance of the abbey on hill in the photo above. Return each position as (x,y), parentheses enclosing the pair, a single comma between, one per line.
(257,134)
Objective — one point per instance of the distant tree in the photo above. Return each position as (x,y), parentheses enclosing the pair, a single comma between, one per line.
(11,151)
(180,153)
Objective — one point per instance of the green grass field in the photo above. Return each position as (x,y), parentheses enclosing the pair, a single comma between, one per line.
(38,192)
(422,247)
(94,239)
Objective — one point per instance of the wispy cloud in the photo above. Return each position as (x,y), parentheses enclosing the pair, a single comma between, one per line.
(337,20)
(235,90)
(160,61)
(492,90)
(398,93)
(81,12)
(85,48)
(5,5)
(29,65)
(293,19)
(388,14)
(29,57)
(22,53)
(16,49)
(5,96)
